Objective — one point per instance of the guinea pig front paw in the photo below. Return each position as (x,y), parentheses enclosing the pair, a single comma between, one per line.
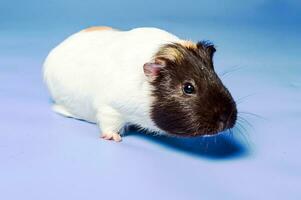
(111,136)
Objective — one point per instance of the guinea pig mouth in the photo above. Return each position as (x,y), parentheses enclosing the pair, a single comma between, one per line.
(213,130)
(200,132)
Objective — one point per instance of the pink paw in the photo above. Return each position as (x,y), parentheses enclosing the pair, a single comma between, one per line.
(111,136)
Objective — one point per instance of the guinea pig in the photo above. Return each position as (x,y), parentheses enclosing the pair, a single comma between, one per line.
(145,77)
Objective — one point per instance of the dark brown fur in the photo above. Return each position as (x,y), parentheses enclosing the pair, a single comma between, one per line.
(209,110)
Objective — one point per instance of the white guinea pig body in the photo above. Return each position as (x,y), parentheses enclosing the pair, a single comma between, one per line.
(97,75)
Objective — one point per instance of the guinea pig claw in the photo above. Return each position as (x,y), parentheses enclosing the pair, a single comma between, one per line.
(111,136)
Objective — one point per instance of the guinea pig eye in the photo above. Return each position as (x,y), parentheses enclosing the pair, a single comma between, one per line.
(188,88)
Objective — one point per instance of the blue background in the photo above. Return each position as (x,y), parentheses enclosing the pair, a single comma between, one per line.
(46,156)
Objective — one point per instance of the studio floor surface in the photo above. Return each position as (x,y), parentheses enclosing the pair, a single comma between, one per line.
(46,156)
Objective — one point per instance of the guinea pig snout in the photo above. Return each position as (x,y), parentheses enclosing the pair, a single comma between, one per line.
(226,120)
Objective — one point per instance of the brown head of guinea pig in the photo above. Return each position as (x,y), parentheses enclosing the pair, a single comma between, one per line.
(189,97)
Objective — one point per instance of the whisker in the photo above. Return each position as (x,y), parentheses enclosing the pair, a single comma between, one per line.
(252,114)
(232,134)
(243,137)
(224,74)
(242,99)
(229,134)
(240,125)
(243,120)
(243,133)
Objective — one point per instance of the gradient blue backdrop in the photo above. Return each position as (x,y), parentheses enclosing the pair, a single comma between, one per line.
(46,156)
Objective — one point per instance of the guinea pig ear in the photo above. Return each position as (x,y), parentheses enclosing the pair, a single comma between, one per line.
(152,70)
(207,46)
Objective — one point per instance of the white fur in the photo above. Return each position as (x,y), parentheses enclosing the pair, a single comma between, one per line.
(98,76)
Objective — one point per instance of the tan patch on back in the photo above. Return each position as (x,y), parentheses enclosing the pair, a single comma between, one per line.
(98,28)
(188,44)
